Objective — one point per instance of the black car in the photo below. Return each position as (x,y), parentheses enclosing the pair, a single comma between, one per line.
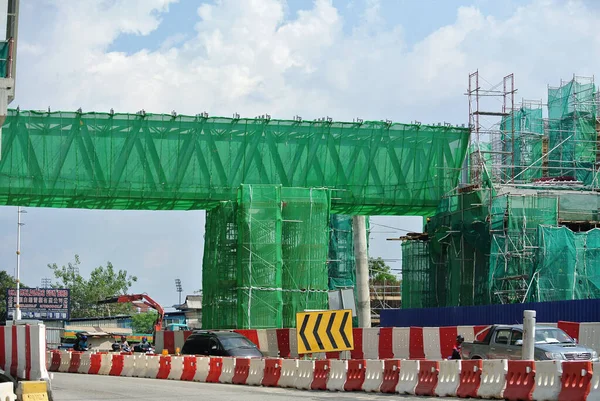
(220,343)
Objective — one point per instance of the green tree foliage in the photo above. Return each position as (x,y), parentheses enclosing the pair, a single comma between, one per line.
(380,272)
(6,281)
(144,322)
(104,282)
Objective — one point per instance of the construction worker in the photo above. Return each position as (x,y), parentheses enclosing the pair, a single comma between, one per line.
(457,348)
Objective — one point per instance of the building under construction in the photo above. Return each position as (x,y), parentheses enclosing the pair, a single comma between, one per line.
(522,225)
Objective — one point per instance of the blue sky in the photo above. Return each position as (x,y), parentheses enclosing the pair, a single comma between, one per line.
(390,59)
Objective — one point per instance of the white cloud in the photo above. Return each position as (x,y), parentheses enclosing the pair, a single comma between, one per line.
(246,57)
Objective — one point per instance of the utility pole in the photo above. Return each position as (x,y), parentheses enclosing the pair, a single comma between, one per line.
(359,233)
(17,315)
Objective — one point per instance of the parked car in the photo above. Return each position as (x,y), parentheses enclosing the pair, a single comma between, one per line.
(220,343)
(505,342)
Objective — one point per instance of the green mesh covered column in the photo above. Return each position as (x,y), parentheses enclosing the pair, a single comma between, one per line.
(259,278)
(418,278)
(341,264)
(305,243)
(219,268)
(572,114)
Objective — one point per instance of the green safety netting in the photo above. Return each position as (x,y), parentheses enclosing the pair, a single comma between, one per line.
(568,264)
(512,254)
(572,130)
(265,257)
(305,245)
(419,280)
(149,161)
(219,268)
(522,136)
(341,264)
(259,275)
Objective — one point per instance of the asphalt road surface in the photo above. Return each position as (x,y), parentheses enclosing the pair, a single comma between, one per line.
(77,387)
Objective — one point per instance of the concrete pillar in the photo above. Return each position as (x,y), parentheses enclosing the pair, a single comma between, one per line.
(528,335)
(359,230)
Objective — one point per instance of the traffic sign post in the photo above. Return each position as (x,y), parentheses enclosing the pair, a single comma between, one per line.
(324,331)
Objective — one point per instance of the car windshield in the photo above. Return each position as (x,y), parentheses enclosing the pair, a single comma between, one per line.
(551,335)
(235,342)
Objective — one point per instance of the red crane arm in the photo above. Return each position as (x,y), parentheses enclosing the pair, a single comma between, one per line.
(143,298)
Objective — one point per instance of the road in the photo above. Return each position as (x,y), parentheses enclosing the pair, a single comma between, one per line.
(76,387)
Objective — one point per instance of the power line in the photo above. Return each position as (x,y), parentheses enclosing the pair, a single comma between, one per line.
(393,228)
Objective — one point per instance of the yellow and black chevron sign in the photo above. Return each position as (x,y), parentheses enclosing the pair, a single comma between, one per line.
(325,331)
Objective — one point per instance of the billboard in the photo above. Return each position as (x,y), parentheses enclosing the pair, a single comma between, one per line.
(40,303)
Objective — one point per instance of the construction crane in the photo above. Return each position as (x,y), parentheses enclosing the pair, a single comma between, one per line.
(140,298)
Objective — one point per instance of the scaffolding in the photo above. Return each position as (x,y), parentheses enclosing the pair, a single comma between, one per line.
(522,224)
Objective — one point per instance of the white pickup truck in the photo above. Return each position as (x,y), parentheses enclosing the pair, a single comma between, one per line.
(505,342)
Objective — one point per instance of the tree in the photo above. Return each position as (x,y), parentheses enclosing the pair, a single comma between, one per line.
(380,272)
(104,282)
(144,322)
(6,281)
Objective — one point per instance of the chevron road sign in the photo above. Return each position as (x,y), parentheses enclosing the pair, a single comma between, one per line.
(324,331)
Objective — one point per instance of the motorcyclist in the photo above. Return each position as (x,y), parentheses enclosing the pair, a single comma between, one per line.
(124,344)
(457,348)
(145,345)
(81,344)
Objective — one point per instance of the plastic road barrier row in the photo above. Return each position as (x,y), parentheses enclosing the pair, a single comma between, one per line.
(23,352)
(433,343)
(501,379)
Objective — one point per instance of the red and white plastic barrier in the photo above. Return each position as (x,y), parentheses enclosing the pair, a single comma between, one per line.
(24,351)
(433,343)
(547,380)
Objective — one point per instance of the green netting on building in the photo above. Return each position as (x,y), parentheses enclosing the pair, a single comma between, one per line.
(265,257)
(572,130)
(419,280)
(568,265)
(259,274)
(165,162)
(522,136)
(219,268)
(481,249)
(305,245)
(514,223)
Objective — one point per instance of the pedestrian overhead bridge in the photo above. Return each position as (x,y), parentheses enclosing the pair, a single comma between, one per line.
(174,162)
